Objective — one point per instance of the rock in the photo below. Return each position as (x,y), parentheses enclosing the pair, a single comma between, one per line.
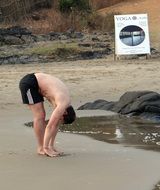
(95,39)
(98,104)
(91,46)
(13,35)
(28,39)
(17,59)
(15,30)
(131,101)
(11,40)
(54,35)
(63,37)
(92,54)
(140,103)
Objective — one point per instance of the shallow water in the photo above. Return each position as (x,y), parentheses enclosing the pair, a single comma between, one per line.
(117,129)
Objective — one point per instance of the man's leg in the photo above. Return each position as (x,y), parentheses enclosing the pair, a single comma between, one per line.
(39,124)
(52,145)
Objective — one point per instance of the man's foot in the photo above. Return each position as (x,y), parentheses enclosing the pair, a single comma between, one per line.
(60,153)
(49,152)
(40,151)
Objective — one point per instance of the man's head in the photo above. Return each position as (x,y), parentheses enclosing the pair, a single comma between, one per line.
(69,115)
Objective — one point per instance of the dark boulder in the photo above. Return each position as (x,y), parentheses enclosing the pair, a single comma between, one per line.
(139,103)
(15,30)
(98,104)
(14,35)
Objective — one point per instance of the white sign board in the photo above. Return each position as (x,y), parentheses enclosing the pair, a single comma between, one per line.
(131,34)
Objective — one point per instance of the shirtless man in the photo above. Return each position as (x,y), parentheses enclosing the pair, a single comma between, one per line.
(33,88)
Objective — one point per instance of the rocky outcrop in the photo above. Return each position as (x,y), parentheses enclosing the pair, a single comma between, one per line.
(14,35)
(17,45)
(135,103)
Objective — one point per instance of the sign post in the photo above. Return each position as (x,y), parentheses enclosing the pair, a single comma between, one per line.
(131,34)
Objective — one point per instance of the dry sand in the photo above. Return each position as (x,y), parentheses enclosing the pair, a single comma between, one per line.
(88,164)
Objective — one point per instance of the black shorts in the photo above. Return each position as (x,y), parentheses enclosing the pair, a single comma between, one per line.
(30,90)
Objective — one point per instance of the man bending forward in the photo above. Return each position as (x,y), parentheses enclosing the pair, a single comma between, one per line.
(33,88)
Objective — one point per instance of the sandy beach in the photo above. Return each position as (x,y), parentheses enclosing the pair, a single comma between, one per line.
(88,164)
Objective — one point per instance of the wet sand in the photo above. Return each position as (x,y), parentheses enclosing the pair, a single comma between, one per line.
(88,164)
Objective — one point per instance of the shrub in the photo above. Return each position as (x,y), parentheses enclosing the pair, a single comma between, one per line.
(102,23)
(66,6)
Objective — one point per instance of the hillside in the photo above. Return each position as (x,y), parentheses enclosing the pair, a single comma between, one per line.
(105,3)
(142,6)
(43,21)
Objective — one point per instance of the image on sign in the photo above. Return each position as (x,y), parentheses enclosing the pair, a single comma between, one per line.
(132,35)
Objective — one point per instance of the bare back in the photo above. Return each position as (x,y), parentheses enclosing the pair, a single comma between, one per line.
(53,89)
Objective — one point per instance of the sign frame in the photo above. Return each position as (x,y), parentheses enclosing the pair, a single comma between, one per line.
(131,34)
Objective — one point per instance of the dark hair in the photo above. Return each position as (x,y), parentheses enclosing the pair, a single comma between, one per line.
(70,116)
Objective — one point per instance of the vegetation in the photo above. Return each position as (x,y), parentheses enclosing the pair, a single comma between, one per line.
(79,15)
(58,49)
(101,23)
(69,5)
(99,4)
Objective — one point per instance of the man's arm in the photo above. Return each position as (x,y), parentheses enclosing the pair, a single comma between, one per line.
(52,126)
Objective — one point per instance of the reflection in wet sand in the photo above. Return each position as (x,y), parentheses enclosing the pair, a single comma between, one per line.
(131,132)
(119,130)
